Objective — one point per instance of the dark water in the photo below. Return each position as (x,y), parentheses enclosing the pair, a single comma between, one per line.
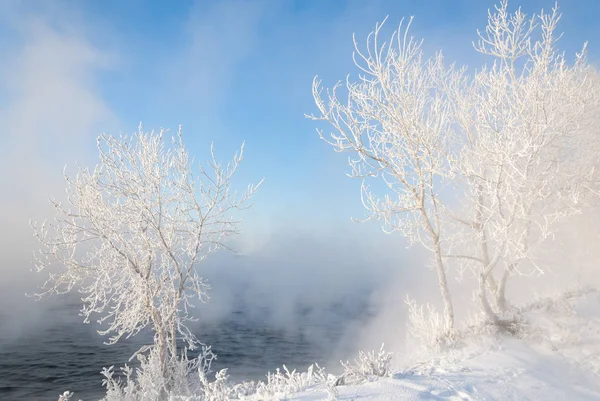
(65,354)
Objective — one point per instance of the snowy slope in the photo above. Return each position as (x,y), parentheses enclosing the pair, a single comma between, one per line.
(558,358)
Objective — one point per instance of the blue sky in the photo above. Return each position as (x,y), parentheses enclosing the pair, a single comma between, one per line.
(227,70)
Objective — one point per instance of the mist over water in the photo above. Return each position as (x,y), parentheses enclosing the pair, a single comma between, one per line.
(296,301)
(65,354)
(290,303)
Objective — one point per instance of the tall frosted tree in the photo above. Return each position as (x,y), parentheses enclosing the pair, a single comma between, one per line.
(523,163)
(478,167)
(397,125)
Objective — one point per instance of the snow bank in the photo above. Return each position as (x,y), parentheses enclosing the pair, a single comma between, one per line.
(556,358)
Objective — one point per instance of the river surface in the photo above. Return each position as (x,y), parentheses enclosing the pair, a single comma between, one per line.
(65,354)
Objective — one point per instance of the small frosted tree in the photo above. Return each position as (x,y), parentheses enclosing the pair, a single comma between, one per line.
(397,123)
(132,234)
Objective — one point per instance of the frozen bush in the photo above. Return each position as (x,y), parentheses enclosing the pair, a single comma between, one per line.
(244,389)
(286,383)
(331,389)
(217,390)
(66,396)
(426,328)
(368,365)
(149,383)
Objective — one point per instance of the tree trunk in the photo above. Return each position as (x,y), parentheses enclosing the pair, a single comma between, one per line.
(485,305)
(485,254)
(500,295)
(162,345)
(491,285)
(443,283)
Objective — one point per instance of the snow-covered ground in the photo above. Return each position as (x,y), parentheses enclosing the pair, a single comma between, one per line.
(557,358)
(552,353)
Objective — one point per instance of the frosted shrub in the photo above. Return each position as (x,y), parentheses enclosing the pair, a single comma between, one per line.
(118,389)
(331,389)
(284,383)
(368,365)
(425,326)
(217,390)
(244,389)
(557,303)
(279,384)
(66,396)
(554,321)
(149,383)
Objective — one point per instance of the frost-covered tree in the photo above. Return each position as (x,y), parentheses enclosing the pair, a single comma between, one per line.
(397,124)
(133,232)
(479,167)
(522,162)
